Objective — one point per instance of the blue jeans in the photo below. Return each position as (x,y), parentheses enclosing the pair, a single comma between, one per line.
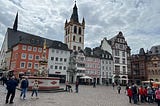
(23,92)
(135,98)
(34,91)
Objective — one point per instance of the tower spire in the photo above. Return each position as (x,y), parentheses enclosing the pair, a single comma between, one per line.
(74,16)
(15,25)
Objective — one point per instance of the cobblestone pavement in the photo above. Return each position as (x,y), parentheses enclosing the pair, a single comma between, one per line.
(87,96)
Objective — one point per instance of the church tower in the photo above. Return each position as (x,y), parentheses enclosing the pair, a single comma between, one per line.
(74,31)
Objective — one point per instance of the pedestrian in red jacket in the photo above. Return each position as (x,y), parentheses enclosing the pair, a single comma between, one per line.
(129,93)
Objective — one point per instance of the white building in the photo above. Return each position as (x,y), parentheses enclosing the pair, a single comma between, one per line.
(119,52)
(58,60)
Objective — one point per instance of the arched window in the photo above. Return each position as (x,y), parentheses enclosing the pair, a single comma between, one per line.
(79,32)
(75,29)
(80,40)
(66,31)
(73,38)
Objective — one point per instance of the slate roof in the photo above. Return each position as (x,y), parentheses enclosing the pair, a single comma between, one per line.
(15,37)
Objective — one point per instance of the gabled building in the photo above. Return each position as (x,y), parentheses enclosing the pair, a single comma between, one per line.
(92,65)
(138,67)
(117,46)
(106,65)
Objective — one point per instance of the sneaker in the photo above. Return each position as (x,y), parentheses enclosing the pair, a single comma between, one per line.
(24,98)
(31,97)
(37,98)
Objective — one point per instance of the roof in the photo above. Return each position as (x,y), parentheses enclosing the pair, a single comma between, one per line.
(15,37)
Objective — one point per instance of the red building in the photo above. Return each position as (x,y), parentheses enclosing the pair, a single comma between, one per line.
(25,58)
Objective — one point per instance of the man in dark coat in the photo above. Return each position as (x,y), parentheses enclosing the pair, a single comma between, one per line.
(11,87)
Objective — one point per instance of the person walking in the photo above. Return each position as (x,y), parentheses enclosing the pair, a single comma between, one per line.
(35,88)
(24,85)
(113,84)
(94,84)
(135,93)
(119,89)
(11,89)
(157,92)
(76,86)
(129,94)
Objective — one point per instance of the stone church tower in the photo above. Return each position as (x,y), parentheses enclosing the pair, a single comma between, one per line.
(74,31)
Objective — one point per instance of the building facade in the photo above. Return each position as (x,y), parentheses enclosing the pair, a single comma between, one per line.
(117,46)
(58,60)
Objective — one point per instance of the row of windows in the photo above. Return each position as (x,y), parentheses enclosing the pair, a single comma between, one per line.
(90,72)
(58,67)
(107,68)
(59,51)
(117,53)
(58,59)
(29,65)
(77,30)
(106,62)
(30,48)
(117,60)
(30,56)
(74,48)
(74,39)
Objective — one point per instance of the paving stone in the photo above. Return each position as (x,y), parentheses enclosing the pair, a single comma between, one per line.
(87,96)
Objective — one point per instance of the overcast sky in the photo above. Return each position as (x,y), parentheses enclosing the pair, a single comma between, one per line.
(139,20)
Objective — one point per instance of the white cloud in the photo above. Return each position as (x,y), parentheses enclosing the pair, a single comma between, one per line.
(137,19)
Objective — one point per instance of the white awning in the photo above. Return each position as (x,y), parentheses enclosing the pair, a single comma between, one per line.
(86,77)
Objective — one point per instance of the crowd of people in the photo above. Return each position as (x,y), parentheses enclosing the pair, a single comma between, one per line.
(143,94)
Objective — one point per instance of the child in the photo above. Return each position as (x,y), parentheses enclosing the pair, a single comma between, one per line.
(35,89)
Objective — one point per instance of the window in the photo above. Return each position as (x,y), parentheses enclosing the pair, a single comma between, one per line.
(29,48)
(52,50)
(22,65)
(75,29)
(51,67)
(30,57)
(56,58)
(37,57)
(123,54)
(56,67)
(39,49)
(34,49)
(64,68)
(23,56)
(116,52)
(29,65)
(123,61)
(52,58)
(79,32)
(74,38)
(61,59)
(24,47)
(80,40)
(74,47)
(117,60)
(79,48)
(65,59)
(117,69)
(60,67)
(36,66)
(124,70)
